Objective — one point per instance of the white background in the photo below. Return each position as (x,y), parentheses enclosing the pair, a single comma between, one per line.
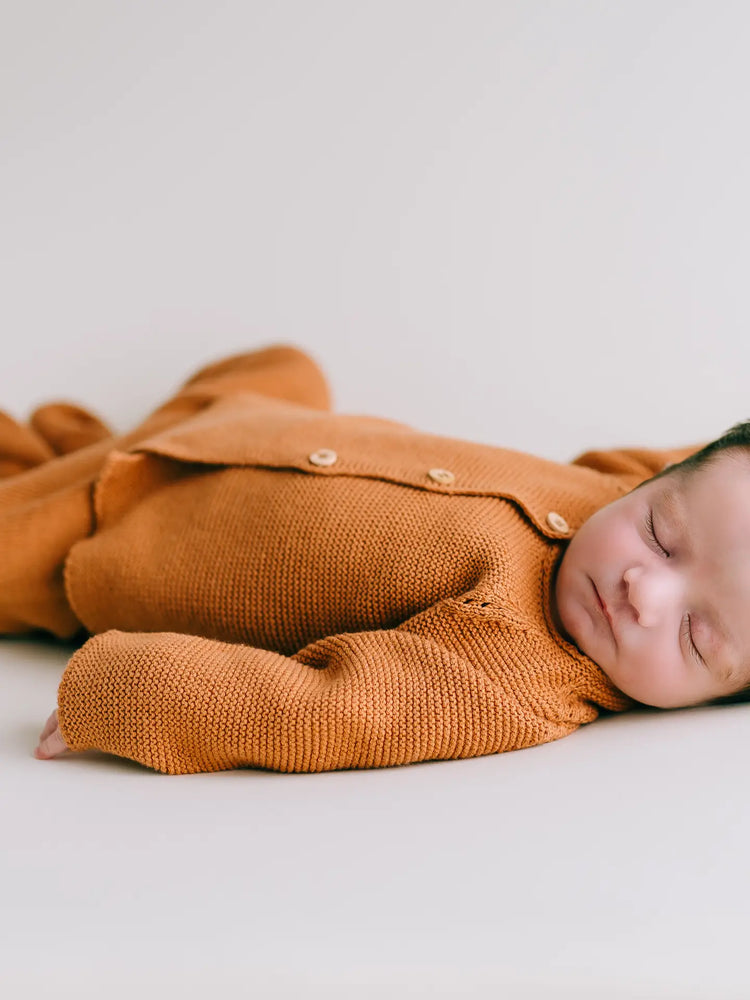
(521,222)
(525,223)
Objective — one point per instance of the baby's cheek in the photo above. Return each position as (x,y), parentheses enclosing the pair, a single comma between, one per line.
(660,680)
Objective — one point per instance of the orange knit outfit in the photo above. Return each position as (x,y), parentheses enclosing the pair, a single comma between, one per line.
(269,584)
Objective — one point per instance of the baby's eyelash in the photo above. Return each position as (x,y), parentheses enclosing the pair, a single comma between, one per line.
(689,637)
(686,630)
(652,534)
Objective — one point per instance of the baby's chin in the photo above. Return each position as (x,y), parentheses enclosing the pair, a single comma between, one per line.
(577,629)
(574,624)
(564,611)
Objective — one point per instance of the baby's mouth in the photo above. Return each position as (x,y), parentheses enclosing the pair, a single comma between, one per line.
(604,610)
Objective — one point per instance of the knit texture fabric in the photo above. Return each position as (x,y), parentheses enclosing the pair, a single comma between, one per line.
(269,584)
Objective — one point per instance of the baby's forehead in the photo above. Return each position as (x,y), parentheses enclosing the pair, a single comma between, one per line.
(713,497)
(704,508)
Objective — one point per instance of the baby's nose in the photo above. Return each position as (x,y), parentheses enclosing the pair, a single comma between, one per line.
(650,594)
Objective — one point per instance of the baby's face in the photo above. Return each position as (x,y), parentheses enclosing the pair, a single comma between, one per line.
(666,618)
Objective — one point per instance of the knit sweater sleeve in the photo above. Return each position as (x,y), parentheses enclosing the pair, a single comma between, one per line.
(183,704)
(639,463)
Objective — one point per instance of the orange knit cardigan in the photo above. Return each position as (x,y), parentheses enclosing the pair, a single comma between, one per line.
(269,584)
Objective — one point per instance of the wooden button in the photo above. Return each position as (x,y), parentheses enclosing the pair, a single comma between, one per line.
(323,456)
(558,523)
(443,476)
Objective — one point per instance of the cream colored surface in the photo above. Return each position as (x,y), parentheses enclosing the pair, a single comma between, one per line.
(609,864)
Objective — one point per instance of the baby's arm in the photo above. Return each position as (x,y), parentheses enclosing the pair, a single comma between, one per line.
(184,704)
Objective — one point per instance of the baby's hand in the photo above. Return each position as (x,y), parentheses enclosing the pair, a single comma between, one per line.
(51,743)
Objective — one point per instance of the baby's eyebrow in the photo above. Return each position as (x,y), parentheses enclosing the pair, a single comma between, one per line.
(673,501)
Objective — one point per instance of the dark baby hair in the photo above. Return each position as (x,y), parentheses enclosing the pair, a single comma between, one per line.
(736,437)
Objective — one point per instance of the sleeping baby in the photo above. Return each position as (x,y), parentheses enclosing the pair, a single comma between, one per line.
(259,582)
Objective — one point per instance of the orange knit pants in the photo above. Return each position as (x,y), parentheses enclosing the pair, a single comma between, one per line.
(49,466)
